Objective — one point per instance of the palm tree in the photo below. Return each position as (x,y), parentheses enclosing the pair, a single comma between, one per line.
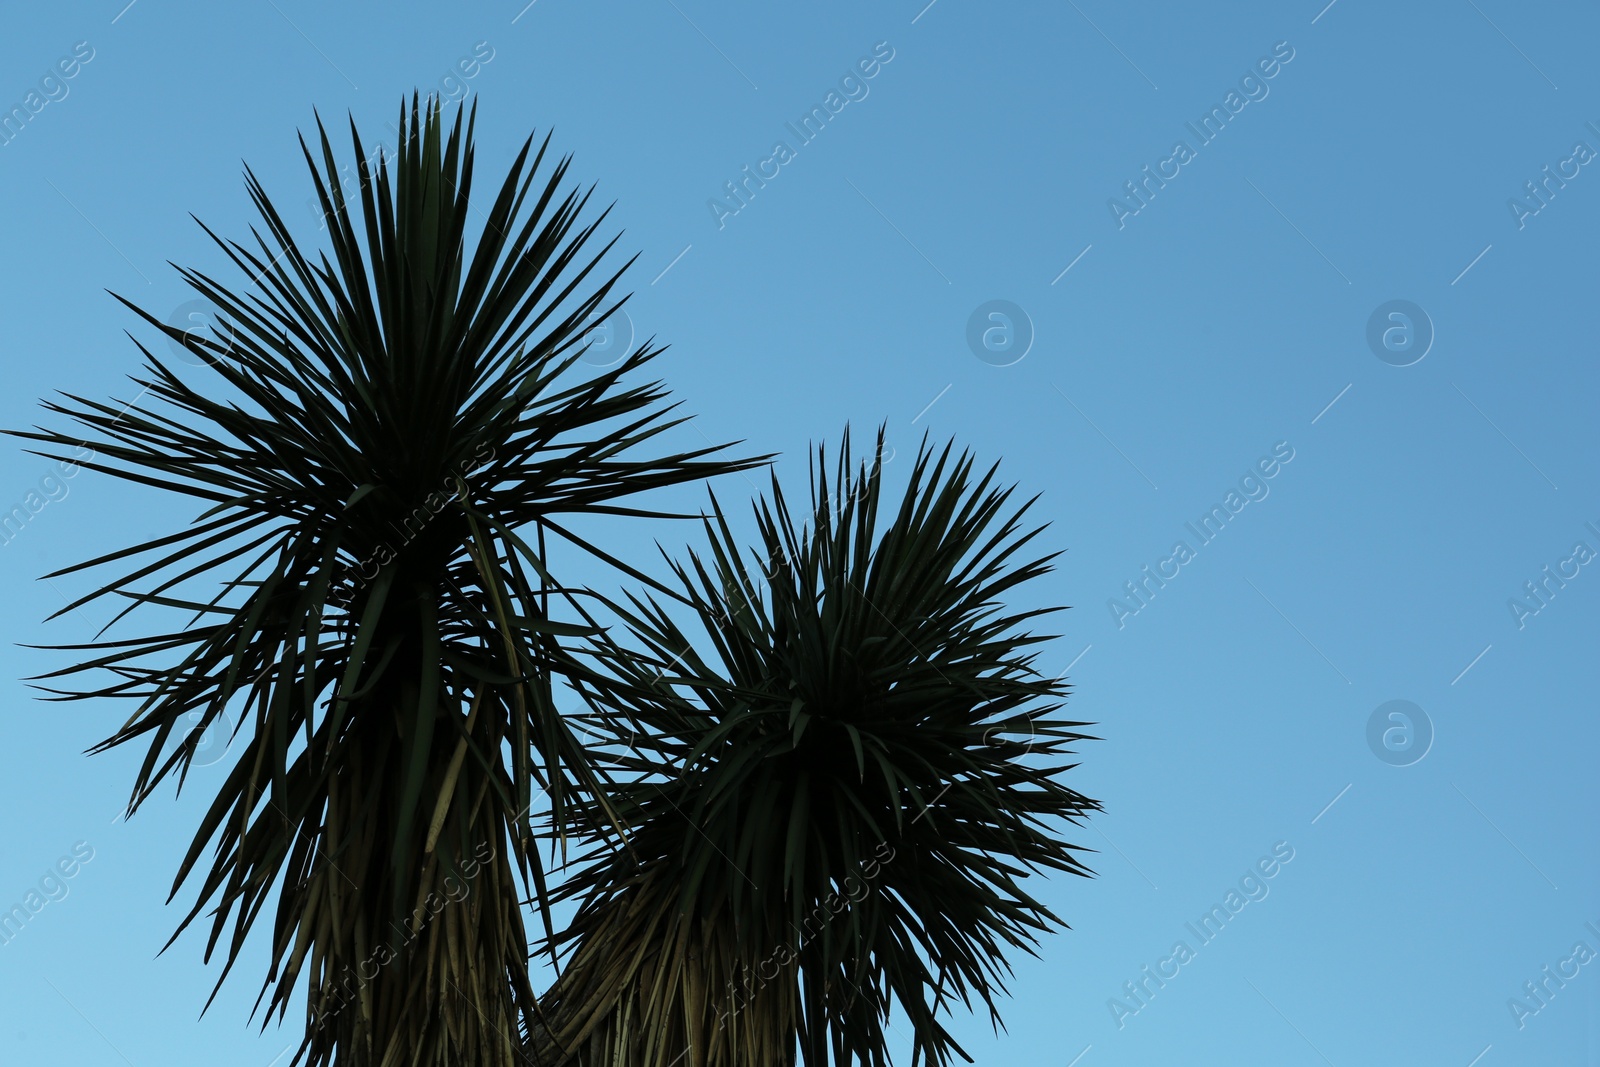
(382,445)
(844,764)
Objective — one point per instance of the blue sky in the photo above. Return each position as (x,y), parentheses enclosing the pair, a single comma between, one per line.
(1153,352)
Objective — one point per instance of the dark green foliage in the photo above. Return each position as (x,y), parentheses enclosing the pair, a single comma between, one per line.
(383,442)
(843,767)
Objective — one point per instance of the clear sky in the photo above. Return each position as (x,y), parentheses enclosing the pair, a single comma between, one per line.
(1156,352)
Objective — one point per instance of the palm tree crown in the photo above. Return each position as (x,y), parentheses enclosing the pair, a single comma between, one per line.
(843,765)
(385,441)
